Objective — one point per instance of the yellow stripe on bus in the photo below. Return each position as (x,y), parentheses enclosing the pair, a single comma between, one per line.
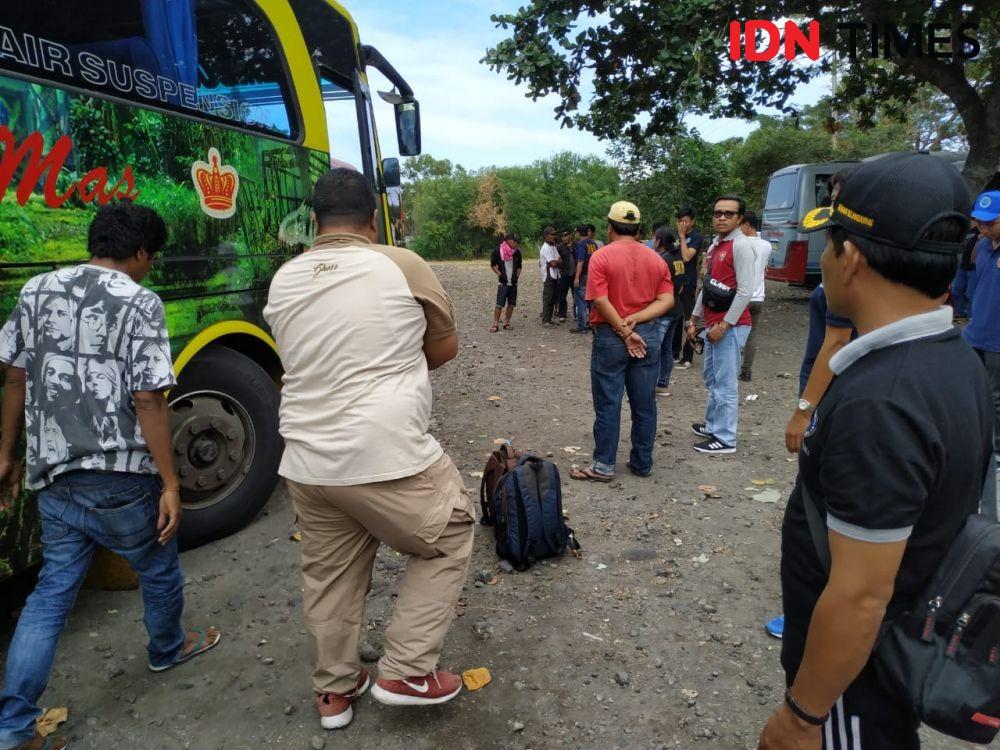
(217,331)
(304,81)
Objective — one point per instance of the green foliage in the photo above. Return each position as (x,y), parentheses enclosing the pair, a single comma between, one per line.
(180,208)
(35,230)
(564,191)
(651,65)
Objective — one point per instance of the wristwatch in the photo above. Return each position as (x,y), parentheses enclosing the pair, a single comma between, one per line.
(805,406)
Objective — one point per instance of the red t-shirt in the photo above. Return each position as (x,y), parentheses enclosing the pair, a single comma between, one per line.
(629,274)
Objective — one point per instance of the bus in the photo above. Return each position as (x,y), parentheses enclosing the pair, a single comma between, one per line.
(220,114)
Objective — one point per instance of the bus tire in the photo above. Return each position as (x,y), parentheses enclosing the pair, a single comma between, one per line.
(224,420)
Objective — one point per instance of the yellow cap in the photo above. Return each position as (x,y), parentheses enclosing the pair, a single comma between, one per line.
(624,213)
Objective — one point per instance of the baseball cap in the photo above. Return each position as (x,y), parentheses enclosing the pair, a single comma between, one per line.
(987,207)
(895,200)
(624,213)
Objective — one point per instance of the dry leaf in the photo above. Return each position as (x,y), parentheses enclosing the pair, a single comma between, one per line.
(478,678)
(49,722)
(762,482)
(477,474)
(296,537)
(494,398)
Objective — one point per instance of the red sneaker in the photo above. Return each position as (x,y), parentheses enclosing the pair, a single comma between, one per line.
(335,710)
(439,686)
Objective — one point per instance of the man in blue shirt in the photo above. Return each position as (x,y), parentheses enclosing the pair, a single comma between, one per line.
(585,247)
(983,331)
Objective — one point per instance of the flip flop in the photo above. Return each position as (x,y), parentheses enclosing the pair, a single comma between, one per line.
(494,329)
(508,327)
(589,475)
(200,647)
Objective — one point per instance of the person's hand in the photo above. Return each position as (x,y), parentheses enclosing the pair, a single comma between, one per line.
(681,229)
(636,346)
(692,332)
(796,430)
(11,473)
(717,332)
(786,731)
(170,515)
(630,322)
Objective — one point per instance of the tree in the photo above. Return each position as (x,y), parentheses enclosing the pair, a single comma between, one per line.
(665,172)
(653,62)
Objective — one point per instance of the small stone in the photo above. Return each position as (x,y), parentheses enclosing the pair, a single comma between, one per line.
(506,567)
(516,726)
(622,678)
(289,710)
(369,653)
(269,660)
(317,743)
(483,576)
(184,685)
(91,722)
(114,670)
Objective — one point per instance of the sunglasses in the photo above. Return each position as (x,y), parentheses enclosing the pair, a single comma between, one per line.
(726,214)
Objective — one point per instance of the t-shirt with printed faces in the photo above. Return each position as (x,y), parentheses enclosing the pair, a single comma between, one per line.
(87,337)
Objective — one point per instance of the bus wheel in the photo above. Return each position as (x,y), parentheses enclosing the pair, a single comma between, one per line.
(224,419)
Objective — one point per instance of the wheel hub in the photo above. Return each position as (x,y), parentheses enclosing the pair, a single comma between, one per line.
(211,443)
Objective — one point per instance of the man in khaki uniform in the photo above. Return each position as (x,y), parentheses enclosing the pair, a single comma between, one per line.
(358,327)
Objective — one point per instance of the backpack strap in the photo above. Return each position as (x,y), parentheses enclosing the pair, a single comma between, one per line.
(548,497)
(527,484)
(988,503)
(817,527)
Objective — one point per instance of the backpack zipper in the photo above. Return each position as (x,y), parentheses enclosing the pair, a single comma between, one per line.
(936,603)
(956,636)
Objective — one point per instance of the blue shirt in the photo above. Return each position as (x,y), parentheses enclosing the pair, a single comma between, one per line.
(983,331)
(819,318)
(584,249)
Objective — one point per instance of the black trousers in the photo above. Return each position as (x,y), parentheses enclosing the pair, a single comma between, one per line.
(866,717)
(562,293)
(548,299)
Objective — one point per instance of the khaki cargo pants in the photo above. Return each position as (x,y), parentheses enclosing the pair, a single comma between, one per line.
(428,516)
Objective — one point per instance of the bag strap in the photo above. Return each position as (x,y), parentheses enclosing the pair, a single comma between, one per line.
(817,528)
(988,502)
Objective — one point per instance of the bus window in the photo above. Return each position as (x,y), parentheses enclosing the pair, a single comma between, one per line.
(177,55)
(342,125)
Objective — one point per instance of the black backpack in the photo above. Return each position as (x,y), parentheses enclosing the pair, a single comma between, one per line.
(527,514)
(942,657)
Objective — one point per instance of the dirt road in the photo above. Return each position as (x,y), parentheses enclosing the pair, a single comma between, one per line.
(653,639)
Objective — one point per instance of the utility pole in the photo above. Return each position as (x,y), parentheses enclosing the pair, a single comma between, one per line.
(835,125)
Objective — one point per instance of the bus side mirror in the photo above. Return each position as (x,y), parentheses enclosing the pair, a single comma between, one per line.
(390,173)
(408,127)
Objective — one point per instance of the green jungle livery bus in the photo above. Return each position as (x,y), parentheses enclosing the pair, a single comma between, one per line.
(220,114)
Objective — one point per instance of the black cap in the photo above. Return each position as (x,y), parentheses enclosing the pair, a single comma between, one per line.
(895,199)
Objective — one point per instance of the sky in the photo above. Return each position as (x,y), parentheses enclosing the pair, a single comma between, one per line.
(470,114)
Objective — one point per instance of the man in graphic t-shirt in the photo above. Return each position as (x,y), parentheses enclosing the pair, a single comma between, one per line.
(87,380)
(361,466)
(894,459)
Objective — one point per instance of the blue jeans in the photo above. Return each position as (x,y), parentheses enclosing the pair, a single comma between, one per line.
(612,372)
(580,303)
(667,350)
(79,511)
(722,368)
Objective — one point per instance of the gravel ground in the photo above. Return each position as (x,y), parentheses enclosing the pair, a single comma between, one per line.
(653,639)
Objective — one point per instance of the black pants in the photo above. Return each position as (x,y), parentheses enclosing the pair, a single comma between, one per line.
(992,362)
(562,292)
(548,299)
(681,343)
(866,717)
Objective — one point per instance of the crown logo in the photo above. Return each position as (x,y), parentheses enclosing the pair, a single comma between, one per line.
(217,185)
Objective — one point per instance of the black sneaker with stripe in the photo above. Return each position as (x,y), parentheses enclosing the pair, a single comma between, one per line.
(699,429)
(714,446)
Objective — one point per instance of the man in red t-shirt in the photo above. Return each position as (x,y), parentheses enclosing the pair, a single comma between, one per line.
(629,286)
(724,304)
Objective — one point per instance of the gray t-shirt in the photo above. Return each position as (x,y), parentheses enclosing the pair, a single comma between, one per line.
(88,338)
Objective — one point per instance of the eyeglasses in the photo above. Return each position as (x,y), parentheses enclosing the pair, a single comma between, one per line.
(726,214)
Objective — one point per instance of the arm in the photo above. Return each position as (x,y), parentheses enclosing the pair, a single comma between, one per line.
(745,262)
(842,633)
(154,422)
(11,422)
(655,309)
(579,272)
(440,350)
(496,270)
(836,338)
(695,318)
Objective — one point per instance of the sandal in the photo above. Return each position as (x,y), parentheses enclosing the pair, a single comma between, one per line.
(508,327)
(52,742)
(200,646)
(494,329)
(589,475)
